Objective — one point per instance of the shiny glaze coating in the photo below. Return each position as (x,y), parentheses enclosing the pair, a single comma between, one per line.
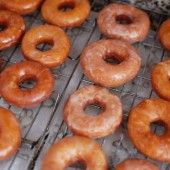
(160,79)
(136,164)
(22,7)
(164,34)
(93,126)
(10,134)
(72,149)
(140,118)
(99,71)
(136,30)
(53,15)
(15,27)
(13,75)
(46,34)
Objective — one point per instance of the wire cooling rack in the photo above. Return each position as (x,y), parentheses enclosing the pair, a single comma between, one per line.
(43,125)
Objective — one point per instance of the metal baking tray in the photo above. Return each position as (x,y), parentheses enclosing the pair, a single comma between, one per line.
(43,125)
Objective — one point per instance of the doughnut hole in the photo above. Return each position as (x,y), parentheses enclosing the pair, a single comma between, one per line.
(123,19)
(112,61)
(78,165)
(94,108)
(113,58)
(158,128)
(27,83)
(3,27)
(45,45)
(66,6)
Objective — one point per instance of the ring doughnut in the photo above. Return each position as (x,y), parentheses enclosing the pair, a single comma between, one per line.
(164,34)
(46,34)
(93,126)
(135,29)
(22,7)
(99,71)
(136,164)
(140,119)
(72,149)
(14,28)
(15,74)
(51,12)
(10,134)
(160,79)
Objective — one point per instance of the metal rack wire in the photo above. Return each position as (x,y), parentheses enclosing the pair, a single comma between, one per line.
(43,125)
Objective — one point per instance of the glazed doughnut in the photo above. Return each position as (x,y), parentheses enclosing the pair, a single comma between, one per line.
(14,28)
(22,7)
(10,134)
(136,28)
(160,76)
(72,149)
(140,118)
(15,74)
(136,164)
(46,34)
(99,71)
(51,12)
(164,34)
(94,126)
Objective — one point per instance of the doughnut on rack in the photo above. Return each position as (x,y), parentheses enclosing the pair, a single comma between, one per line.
(43,125)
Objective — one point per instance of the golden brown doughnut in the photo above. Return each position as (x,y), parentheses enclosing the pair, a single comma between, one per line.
(10,134)
(51,11)
(72,149)
(94,126)
(46,34)
(140,118)
(14,29)
(136,164)
(13,75)
(164,34)
(136,29)
(99,71)
(21,6)
(160,77)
